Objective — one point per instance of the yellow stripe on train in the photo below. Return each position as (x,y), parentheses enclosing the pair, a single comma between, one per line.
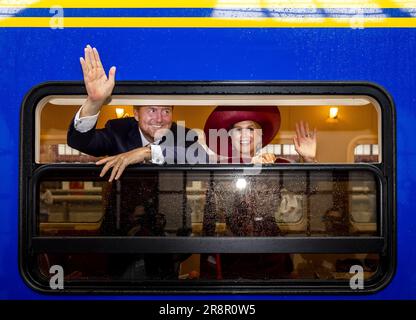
(211,22)
(209,4)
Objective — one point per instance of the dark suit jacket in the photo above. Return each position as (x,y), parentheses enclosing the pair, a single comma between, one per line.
(118,136)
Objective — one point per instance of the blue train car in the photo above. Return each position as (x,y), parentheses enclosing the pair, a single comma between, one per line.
(345,221)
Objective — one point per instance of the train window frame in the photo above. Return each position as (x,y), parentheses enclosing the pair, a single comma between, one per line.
(30,170)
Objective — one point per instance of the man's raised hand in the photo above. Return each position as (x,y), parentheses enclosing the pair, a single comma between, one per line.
(99,86)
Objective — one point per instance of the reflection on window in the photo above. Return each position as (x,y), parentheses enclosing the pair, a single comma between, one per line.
(70,207)
(273,203)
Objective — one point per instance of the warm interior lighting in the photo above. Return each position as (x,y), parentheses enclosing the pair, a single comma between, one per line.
(333,112)
(120,112)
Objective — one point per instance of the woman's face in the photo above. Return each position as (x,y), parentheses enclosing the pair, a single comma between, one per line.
(246,137)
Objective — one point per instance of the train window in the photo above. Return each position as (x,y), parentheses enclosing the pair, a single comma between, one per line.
(356,117)
(366,153)
(288,151)
(288,225)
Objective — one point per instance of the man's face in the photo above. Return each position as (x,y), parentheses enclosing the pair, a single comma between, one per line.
(153,120)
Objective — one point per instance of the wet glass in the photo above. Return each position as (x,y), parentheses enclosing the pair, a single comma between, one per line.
(214,204)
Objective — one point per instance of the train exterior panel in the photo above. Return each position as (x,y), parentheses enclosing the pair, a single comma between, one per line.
(370,41)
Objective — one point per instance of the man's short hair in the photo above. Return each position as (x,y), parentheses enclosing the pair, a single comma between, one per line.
(137,107)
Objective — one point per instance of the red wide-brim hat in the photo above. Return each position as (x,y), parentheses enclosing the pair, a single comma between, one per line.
(224,117)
